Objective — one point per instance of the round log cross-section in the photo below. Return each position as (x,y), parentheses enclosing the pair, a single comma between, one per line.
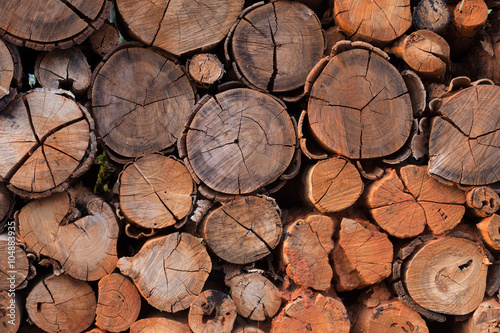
(239,141)
(142,107)
(217,305)
(274,46)
(359,106)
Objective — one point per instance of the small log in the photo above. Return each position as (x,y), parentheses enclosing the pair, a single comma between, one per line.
(10,73)
(44,25)
(464,147)
(65,69)
(104,39)
(243,230)
(156,191)
(490,231)
(311,312)
(378,23)
(255,296)
(486,318)
(431,15)
(306,246)
(331,185)
(177,28)
(274,46)
(15,266)
(332,36)
(156,325)
(46,139)
(118,303)
(469,16)
(142,107)
(482,201)
(76,228)
(427,53)
(403,204)
(169,271)
(205,69)
(61,304)
(220,309)
(255,141)
(11,312)
(7,202)
(353,260)
(359,106)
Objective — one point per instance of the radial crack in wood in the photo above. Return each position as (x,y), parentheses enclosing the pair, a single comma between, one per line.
(15,268)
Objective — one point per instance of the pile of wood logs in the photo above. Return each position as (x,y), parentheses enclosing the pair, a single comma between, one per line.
(234,166)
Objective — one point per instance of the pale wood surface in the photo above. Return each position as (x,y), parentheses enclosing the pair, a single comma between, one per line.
(159,325)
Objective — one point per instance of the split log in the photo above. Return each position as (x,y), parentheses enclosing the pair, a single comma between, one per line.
(403,204)
(76,228)
(10,73)
(311,312)
(156,191)
(7,202)
(169,271)
(46,139)
(486,318)
(11,312)
(65,69)
(464,144)
(159,325)
(61,304)
(254,295)
(105,39)
(274,46)
(445,275)
(218,307)
(469,16)
(243,230)
(427,53)
(14,266)
(306,245)
(331,185)
(490,231)
(482,201)
(205,69)
(45,25)
(176,27)
(359,106)
(374,22)
(118,303)
(142,107)
(431,15)
(362,255)
(238,141)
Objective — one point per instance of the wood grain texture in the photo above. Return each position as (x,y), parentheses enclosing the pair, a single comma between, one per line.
(219,306)
(486,318)
(490,231)
(431,15)
(15,264)
(159,325)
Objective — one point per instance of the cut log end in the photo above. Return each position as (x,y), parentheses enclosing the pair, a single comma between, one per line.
(490,231)
(205,69)
(212,311)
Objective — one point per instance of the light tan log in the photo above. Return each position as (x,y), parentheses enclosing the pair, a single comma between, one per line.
(11,312)
(105,39)
(218,306)
(482,201)
(14,266)
(61,304)
(486,318)
(205,69)
(159,325)
(490,230)
(118,303)
(169,271)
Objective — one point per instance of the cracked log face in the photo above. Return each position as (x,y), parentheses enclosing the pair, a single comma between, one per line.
(169,271)
(45,140)
(218,307)
(205,69)
(377,22)
(359,106)
(404,203)
(447,275)
(486,318)
(47,24)
(20,268)
(8,325)
(274,46)
(179,26)
(243,230)
(142,107)
(239,141)
(156,191)
(61,304)
(464,144)
(76,228)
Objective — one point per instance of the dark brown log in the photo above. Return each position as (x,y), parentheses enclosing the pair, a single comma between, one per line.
(6,205)
(65,69)
(205,69)
(10,312)
(46,139)
(45,25)
(486,318)
(61,304)
(274,46)
(105,39)
(10,72)
(15,266)
(490,231)
(482,201)
(218,306)
(159,325)
(238,141)
(143,107)
(169,271)
(118,303)
(431,15)
(243,230)
(176,27)
(332,36)
(76,228)
(156,191)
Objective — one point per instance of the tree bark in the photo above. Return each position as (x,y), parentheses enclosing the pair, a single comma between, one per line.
(218,306)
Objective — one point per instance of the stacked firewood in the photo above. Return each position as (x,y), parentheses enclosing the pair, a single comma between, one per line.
(240,166)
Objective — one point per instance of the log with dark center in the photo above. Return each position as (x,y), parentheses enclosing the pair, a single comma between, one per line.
(218,307)
(105,39)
